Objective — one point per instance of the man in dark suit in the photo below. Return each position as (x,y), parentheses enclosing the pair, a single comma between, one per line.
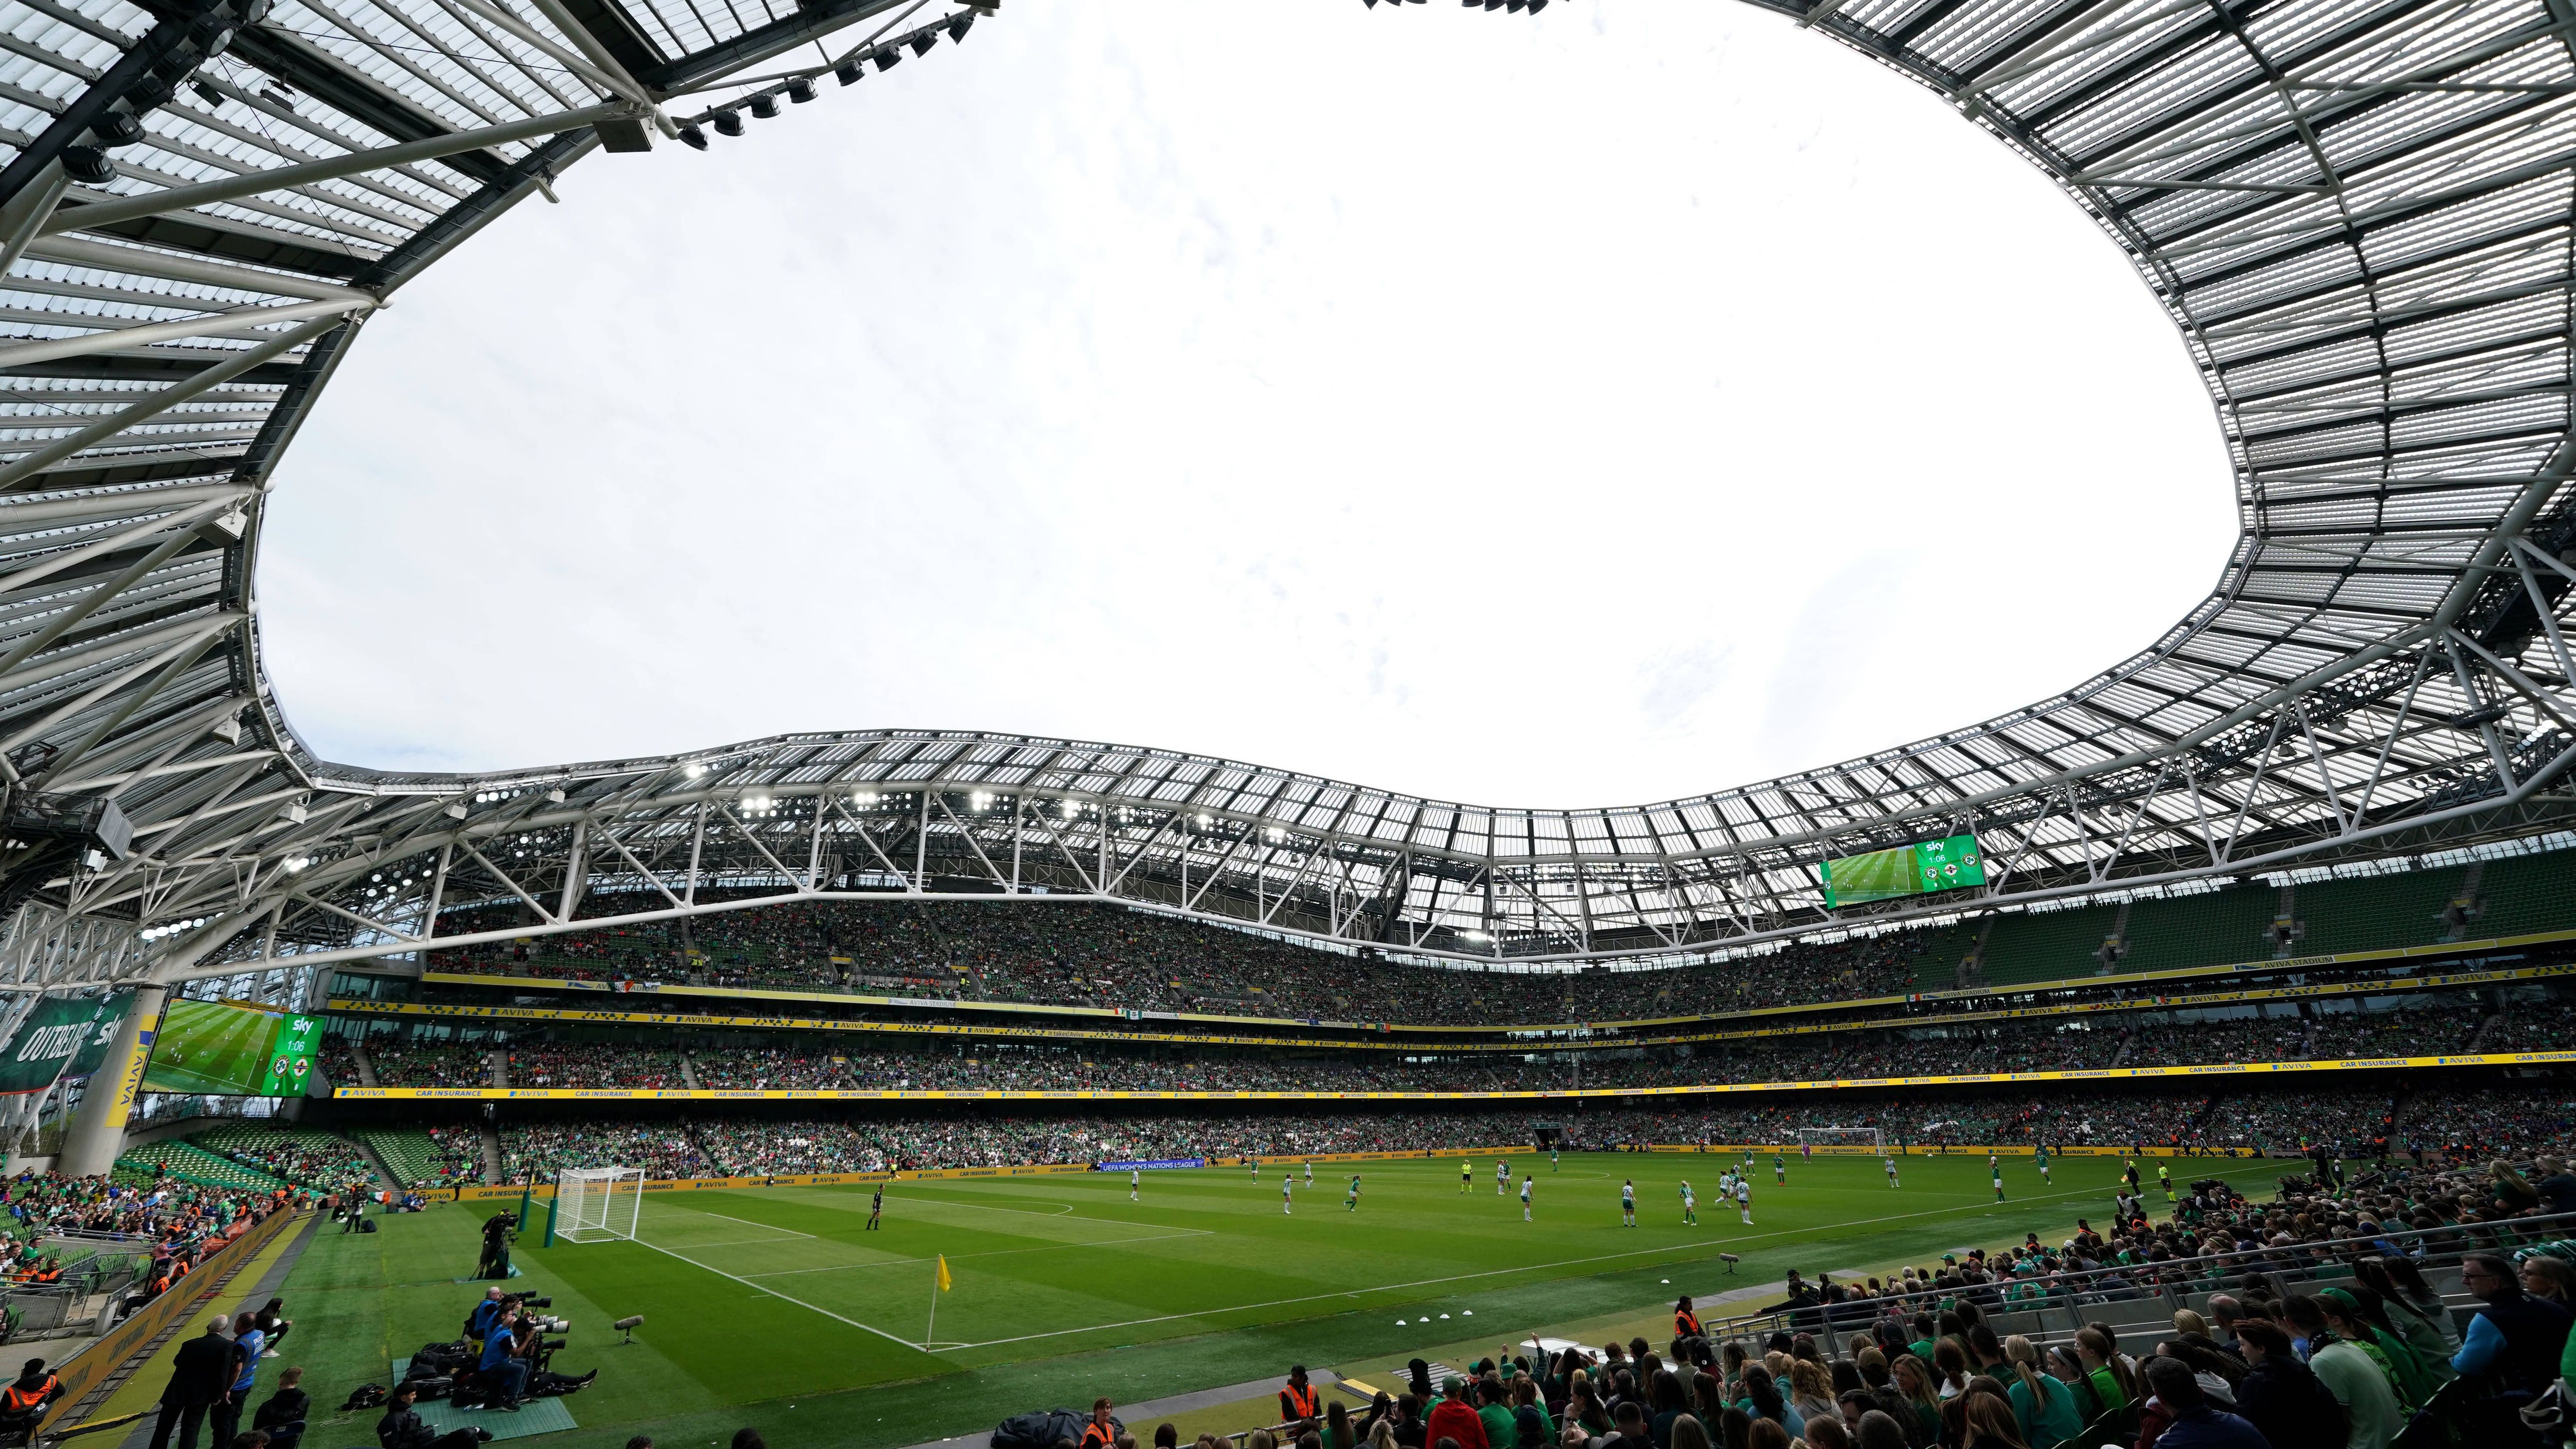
(198,1380)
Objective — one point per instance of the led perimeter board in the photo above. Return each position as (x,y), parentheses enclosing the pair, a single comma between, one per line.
(1908,870)
(216,1049)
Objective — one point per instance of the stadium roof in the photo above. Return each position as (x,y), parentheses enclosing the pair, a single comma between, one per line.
(2357,212)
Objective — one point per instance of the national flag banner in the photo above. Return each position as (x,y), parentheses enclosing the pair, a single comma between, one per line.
(943,1273)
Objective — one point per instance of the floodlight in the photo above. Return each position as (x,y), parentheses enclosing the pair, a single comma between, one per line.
(695,769)
(958,26)
(887,57)
(728,122)
(692,136)
(801,89)
(922,42)
(764,106)
(848,72)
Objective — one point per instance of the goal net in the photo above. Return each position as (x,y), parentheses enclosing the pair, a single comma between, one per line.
(1844,1139)
(593,1204)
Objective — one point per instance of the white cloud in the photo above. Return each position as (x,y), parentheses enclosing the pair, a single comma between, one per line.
(1528,410)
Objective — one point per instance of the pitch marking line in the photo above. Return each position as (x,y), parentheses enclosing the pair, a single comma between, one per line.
(993,1253)
(1061,1209)
(746,1222)
(1981,1208)
(774,1293)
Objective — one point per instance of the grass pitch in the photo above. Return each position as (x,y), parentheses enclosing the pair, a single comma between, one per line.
(776,1306)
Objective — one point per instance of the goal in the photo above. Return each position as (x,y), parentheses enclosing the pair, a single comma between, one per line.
(594,1204)
(1844,1139)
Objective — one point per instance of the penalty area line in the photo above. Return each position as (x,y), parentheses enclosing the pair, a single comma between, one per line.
(783,1298)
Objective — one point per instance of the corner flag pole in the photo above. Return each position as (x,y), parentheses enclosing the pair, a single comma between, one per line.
(938,1285)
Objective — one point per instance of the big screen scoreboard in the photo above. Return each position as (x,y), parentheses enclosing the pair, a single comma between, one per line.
(1919,869)
(215,1048)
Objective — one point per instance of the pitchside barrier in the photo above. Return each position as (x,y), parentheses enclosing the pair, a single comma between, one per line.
(361,1006)
(2098,1074)
(477,1193)
(84,1370)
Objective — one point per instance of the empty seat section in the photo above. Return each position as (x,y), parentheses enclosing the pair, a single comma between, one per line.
(2526,894)
(2374,913)
(2220,928)
(2047,945)
(1938,952)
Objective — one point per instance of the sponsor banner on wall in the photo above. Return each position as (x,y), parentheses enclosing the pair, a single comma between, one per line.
(64,1037)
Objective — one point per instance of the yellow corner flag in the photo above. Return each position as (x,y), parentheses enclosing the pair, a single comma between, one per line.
(943,1273)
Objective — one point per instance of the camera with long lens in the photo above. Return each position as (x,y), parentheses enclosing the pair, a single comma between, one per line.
(548,1323)
(532,1301)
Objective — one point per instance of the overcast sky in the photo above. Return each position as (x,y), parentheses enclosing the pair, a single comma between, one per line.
(1596,407)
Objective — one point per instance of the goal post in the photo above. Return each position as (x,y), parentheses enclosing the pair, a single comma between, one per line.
(1844,1139)
(596,1204)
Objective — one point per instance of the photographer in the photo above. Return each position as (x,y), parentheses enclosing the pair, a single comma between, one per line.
(502,1374)
(536,1353)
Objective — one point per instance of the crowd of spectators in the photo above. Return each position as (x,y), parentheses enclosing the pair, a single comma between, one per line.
(769,1148)
(310,1159)
(401,1063)
(536,1151)
(2538,1026)
(556,1066)
(2068,1043)
(2447,1128)
(2093,1115)
(1096,955)
(456,1156)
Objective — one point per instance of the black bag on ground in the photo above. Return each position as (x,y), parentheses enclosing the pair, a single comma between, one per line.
(364,1396)
(1043,1431)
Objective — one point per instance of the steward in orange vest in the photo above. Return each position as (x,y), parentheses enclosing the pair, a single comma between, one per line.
(1297,1400)
(1685,1322)
(36,1387)
(1102,1431)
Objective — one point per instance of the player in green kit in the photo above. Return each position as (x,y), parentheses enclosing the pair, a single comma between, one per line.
(2041,1153)
(1780,1168)
(1354,1203)
(1999,1177)
(1551,1159)
(1690,1206)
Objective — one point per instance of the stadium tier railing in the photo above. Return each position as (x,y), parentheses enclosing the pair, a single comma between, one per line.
(2070,1299)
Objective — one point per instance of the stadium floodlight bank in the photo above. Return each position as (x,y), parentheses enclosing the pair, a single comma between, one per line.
(597,1204)
(1844,1139)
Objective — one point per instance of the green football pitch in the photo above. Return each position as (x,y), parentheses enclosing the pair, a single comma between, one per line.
(203,1046)
(1063,1288)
